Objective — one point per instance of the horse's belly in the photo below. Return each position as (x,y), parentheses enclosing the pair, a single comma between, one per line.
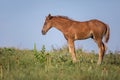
(81,36)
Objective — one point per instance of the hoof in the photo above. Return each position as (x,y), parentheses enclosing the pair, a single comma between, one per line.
(99,62)
(74,61)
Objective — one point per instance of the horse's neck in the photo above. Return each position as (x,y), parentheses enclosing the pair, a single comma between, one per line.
(60,25)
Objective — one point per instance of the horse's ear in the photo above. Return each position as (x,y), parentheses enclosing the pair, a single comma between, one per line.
(49,16)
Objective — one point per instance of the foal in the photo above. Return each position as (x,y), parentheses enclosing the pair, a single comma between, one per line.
(75,30)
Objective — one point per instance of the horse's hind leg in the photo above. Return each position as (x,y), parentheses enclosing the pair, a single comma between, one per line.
(102,49)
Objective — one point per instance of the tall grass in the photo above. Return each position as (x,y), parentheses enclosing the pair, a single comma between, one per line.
(56,64)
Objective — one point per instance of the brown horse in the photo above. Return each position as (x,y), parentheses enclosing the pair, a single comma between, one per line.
(75,30)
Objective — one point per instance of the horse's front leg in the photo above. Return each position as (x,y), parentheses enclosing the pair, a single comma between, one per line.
(72,50)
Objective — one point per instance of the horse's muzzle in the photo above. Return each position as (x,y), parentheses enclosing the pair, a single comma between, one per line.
(43,32)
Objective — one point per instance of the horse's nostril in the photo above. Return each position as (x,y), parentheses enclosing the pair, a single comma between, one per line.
(43,32)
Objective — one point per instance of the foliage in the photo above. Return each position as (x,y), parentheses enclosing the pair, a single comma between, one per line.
(56,64)
(40,56)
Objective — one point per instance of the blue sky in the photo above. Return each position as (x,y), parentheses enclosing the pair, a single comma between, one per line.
(21,22)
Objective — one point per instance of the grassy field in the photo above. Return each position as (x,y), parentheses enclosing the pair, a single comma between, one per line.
(56,64)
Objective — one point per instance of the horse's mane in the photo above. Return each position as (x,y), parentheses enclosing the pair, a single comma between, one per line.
(64,17)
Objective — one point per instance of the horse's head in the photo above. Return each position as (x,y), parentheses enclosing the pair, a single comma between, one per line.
(47,24)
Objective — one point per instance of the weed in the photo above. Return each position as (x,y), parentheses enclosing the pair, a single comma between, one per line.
(40,56)
(18,64)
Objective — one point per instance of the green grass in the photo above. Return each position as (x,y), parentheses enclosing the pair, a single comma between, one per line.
(18,64)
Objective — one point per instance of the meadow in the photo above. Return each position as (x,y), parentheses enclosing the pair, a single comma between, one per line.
(16,64)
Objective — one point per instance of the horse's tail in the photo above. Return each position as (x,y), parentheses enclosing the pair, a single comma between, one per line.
(107,34)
